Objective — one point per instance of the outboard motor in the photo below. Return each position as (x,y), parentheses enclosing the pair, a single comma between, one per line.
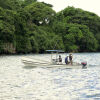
(84,64)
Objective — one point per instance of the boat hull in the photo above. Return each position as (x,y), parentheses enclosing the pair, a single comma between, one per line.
(33,63)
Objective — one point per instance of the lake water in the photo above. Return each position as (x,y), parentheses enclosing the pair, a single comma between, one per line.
(18,82)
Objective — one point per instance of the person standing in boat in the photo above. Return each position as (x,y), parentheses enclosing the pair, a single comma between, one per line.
(71,58)
(66,60)
(60,59)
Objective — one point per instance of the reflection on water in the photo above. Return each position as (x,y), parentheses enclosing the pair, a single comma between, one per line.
(18,82)
(29,67)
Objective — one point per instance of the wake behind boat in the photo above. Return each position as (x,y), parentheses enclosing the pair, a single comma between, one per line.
(53,63)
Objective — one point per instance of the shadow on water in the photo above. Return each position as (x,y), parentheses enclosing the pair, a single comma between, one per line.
(29,67)
(94,66)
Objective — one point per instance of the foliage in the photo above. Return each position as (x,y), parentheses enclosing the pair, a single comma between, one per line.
(40,14)
(80,29)
(11,4)
(31,26)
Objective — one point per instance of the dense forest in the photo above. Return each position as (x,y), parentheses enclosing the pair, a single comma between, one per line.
(29,26)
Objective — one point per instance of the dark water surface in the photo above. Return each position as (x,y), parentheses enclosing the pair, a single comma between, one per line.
(18,82)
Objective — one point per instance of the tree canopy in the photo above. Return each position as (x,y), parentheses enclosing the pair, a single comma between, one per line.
(30,26)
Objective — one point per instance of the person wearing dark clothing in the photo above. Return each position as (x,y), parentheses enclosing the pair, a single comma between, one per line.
(60,59)
(70,58)
(66,60)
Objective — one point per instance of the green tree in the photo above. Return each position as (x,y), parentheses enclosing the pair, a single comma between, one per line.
(40,13)
(79,38)
(11,4)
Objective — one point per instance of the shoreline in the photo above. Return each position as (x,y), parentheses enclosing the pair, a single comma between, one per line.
(42,53)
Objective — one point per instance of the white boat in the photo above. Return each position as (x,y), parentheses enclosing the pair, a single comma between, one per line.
(34,62)
(53,63)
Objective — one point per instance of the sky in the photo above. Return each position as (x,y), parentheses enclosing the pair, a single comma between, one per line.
(88,5)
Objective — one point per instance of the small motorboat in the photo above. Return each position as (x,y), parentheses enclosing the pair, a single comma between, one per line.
(53,63)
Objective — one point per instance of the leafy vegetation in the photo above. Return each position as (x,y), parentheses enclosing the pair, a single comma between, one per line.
(30,26)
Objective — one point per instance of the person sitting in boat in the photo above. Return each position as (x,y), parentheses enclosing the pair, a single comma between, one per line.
(60,59)
(66,60)
(70,58)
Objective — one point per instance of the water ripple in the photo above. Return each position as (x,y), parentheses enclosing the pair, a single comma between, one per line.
(18,82)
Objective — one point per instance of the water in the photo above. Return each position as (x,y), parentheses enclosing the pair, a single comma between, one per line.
(18,82)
